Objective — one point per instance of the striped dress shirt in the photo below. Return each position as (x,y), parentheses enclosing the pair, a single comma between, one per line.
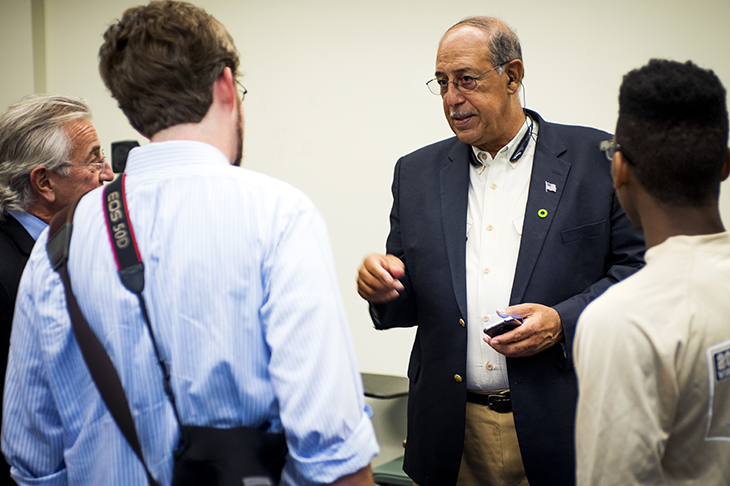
(244,304)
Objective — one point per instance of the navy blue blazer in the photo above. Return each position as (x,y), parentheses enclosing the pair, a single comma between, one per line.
(582,244)
(15,247)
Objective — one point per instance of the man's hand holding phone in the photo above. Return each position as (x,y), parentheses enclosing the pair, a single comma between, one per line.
(502,325)
(532,329)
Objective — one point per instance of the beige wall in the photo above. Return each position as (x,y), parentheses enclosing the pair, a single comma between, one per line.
(337,91)
(16,51)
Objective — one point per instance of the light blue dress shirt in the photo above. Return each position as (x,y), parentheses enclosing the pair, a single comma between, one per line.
(32,224)
(244,303)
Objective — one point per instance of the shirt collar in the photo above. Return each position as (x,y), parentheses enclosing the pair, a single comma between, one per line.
(482,158)
(170,156)
(32,224)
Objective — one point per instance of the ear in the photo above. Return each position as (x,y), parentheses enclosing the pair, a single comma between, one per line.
(620,170)
(514,72)
(225,90)
(726,166)
(42,184)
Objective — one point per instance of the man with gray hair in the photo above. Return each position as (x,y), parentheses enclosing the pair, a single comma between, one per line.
(515,216)
(49,156)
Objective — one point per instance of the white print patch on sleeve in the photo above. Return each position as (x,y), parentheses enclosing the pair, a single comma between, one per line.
(718,417)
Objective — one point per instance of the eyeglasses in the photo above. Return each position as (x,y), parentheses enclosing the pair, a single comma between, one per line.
(440,86)
(97,165)
(241,90)
(609,148)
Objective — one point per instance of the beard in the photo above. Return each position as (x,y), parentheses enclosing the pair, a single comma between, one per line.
(239,134)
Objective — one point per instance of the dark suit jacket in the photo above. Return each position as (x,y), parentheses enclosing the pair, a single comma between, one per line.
(566,259)
(15,247)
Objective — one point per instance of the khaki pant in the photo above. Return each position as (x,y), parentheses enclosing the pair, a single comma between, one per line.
(491,454)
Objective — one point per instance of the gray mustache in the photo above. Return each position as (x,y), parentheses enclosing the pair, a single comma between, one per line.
(462,114)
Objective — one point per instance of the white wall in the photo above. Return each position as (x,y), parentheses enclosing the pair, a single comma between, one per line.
(337,94)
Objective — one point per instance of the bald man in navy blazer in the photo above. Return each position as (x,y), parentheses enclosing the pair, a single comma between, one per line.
(535,201)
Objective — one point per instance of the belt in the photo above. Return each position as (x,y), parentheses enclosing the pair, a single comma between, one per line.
(500,402)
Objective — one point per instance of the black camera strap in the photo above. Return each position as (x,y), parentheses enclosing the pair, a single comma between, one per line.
(129,263)
(97,360)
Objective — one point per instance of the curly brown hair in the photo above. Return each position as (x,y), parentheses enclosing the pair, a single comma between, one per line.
(160,62)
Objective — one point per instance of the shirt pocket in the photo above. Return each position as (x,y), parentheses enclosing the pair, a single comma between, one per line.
(584,231)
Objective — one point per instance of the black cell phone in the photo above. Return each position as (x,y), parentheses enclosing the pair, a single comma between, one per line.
(506,324)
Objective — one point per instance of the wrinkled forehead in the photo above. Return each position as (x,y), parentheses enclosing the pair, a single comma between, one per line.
(462,49)
(83,138)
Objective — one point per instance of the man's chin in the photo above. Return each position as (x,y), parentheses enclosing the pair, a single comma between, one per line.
(466,136)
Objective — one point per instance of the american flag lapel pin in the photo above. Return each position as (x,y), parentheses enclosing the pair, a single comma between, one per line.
(550,187)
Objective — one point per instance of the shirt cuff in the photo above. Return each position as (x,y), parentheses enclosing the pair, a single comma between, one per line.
(344,457)
(55,479)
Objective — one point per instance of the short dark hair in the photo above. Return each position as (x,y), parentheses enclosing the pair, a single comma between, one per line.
(673,121)
(160,62)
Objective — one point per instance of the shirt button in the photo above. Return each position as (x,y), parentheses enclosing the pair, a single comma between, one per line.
(490,366)
(494,185)
(486,270)
(485,318)
(461,321)
(458,378)
(490,227)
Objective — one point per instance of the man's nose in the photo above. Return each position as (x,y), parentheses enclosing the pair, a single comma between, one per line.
(106,173)
(453,96)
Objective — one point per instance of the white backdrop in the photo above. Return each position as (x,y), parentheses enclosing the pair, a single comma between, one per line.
(337,94)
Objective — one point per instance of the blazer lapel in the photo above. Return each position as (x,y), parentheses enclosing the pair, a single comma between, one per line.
(547,183)
(454,195)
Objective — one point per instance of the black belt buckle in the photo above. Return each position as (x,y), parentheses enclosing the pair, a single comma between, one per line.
(500,403)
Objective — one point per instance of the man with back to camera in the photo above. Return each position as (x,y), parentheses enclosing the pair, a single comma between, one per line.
(514,214)
(654,393)
(238,282)
(49,156)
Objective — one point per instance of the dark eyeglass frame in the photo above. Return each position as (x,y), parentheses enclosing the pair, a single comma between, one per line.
(609,148)
(440,87)
(241,90)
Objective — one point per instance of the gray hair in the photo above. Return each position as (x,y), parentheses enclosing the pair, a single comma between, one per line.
(33,134)
(502,44)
